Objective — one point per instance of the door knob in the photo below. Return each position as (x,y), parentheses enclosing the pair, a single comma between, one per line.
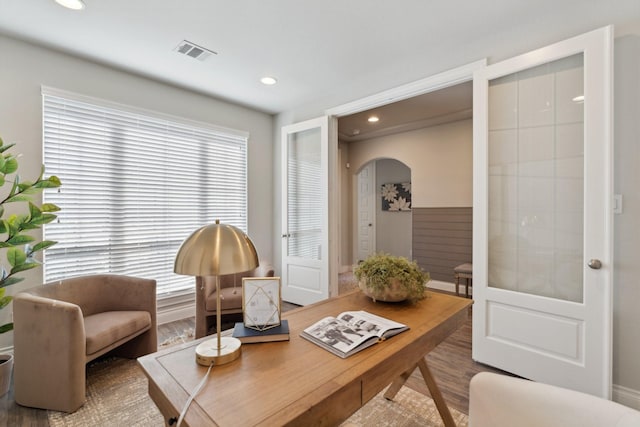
(595,264)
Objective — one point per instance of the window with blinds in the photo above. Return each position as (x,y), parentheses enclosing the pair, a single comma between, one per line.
(134,186)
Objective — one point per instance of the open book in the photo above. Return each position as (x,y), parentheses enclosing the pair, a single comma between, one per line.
(351,332)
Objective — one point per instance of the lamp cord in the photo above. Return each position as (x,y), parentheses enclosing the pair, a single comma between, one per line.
(193,395)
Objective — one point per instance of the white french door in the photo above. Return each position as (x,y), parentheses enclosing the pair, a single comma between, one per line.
(542,241)
(305,212)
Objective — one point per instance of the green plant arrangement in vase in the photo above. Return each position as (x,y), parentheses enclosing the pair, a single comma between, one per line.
(391,278)
(18,245)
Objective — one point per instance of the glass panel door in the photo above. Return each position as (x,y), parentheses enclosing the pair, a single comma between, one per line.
(542,214)
(305,212)
(536,167)
(305,208)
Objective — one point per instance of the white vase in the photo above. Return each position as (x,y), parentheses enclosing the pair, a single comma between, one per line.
(395,292)
(6,367)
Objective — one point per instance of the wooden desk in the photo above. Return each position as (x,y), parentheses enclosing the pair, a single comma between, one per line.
(298,382)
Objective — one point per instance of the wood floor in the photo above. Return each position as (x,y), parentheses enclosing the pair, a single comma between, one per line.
(452,366)
(450,363)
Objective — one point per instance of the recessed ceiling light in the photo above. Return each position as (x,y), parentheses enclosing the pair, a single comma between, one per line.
(71,4)
(373,119)
(268,81)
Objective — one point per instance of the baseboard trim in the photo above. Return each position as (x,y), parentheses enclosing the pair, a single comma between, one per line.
(626,396)
(167,315)
(446,286)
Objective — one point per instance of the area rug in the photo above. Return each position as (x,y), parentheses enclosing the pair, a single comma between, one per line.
(186,336)
(408,409)
(117,396)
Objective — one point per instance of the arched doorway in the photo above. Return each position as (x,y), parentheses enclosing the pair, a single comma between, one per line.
(383,217)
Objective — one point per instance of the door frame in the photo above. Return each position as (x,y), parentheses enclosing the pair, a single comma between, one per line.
(438,81)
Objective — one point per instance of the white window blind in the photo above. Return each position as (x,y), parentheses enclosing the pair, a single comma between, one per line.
(133,188)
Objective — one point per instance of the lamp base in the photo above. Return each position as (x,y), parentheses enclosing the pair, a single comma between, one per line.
(207,353)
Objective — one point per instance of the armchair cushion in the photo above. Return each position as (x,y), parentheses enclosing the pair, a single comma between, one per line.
(112,328)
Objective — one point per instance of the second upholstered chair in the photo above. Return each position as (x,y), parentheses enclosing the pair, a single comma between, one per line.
(502,401)
(231,296)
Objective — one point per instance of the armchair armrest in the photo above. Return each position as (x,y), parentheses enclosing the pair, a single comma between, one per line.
(50,350)
(263,270)
(498,400)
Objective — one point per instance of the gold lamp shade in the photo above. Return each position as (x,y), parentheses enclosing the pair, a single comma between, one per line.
(216,250)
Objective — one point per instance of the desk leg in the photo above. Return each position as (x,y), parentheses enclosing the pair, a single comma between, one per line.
(442,407)
(436,394)
(395,386)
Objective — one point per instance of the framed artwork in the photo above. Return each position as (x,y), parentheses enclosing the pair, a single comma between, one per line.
(261,302)
(396,197)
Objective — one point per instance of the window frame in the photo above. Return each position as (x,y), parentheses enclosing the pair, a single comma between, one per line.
(220,135)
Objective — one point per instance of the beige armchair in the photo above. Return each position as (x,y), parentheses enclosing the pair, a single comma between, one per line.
(231,296)
(502,401)
(59,327)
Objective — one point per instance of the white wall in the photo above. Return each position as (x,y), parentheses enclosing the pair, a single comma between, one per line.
(626,280)
(393,229)
(440,158)
(426,152)
(26,67)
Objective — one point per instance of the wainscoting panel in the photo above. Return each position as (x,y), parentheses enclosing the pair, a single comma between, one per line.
(442,239)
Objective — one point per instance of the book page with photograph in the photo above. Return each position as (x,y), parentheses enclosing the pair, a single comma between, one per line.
(351,332)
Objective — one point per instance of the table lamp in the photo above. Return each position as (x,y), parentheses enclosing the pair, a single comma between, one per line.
(216,250)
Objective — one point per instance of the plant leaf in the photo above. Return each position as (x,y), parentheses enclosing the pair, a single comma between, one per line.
(34,211)
(16,256)
(10,166)
(4,301)
(49,207)
(6,328)
(42,219)
(51,182)
(10,281)
(42,245)
(24,266)
(4,148)
(24,185)
(20,239)
(18,198)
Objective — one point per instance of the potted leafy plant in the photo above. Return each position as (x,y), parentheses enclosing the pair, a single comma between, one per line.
(391,278)
(18,245)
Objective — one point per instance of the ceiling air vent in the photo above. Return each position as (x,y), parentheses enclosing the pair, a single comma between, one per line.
(188,48)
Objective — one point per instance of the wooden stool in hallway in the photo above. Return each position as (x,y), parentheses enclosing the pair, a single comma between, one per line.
(464,271)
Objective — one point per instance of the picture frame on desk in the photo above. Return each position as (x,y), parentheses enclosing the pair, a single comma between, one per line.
(261,302)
